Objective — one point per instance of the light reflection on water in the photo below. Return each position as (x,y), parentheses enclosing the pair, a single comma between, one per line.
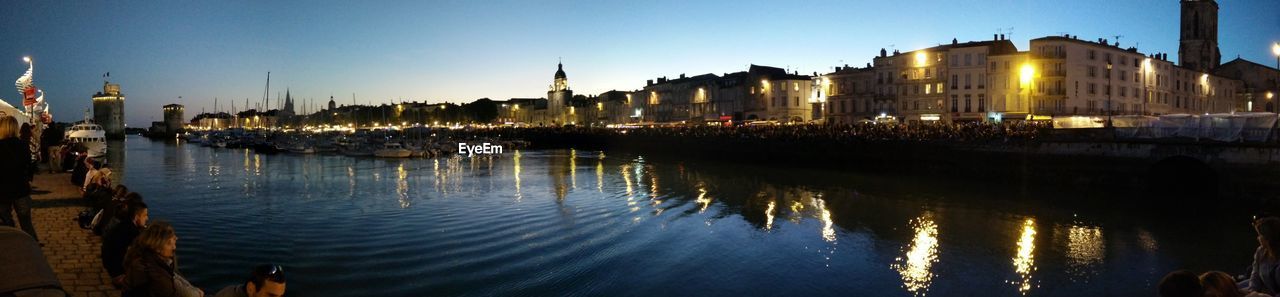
(518,223)
(916,266)
(1024,262)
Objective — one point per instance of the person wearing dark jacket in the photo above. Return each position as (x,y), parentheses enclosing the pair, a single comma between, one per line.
(151,266)
(117,241)
(15,179)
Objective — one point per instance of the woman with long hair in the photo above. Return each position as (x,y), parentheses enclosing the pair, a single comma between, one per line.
(15,179)
(1264,277)
(151,267)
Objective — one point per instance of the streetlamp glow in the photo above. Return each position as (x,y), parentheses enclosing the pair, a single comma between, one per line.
(921,58)
(1275,48)
(26,59)
(1027,72)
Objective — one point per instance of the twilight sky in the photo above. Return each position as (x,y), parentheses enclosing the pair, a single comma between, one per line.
(459,51)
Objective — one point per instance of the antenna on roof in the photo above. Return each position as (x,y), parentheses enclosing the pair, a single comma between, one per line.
(1118,39)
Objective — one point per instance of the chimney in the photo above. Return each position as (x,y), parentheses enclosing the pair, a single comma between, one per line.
(648,82)
(682,76)
(1002,37)
(995,36)
(954,41)
(882,52)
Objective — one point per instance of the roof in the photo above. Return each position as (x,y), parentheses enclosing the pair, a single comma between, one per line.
(774,72)
(1092,43)
(560,70)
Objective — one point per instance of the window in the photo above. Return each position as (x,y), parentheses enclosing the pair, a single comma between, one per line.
(993,66)
(1124,75)
(1093,71)
(955,60)
(1107,90)
(967,103)
(1108,58)
(928,89)
(982,80)
(967,82)
(982,103)
(1093,55)
(968,59)
(955,103)
(1123,91)
(954,81)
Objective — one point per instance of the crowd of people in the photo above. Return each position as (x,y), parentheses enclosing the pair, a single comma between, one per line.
(1263,279)
(139,255)
(829,133)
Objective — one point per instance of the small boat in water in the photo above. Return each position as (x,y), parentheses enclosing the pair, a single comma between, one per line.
(392,150)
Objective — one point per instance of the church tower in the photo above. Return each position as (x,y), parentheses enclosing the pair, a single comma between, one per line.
(558,97)
(1198,46)
(287,110)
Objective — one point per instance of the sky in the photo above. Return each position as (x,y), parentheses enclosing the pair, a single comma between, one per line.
(191,52)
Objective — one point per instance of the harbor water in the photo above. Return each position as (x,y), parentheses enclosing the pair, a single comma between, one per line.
(592,223)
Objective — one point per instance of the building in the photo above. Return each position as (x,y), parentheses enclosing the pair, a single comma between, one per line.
(558,97)
(173,118)
(1260,84)
(850,92)
(108,110)
(1198,41)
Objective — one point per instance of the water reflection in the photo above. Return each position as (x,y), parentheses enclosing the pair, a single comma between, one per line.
(828,226)
(570,237)
(916,268)
(1024,262)
(402,186)
(1085,248)
(516,174)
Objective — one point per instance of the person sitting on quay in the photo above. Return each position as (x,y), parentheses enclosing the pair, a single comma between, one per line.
(15,178)
(98,175)
(81,170)
(117,241)
(1180,283)
(116,210)
(151,267)
(1220,284)
(1266,259)
(264,281)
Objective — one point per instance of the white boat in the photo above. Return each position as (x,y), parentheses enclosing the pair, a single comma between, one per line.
(91,136)
(392,150)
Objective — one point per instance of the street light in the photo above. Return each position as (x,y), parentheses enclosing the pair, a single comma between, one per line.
(1275,49)
(26,59)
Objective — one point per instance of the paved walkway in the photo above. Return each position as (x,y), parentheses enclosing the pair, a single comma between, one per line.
(72,252)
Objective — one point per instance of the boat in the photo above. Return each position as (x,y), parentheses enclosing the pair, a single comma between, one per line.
(302,148)
(392,150)
(91,136)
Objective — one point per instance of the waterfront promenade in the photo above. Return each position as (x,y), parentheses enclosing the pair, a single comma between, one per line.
(71,251)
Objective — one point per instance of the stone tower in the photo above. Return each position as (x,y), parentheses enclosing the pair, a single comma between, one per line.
(108,110)
(1198,46)
(332,105)
(173,118)
(558,97)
